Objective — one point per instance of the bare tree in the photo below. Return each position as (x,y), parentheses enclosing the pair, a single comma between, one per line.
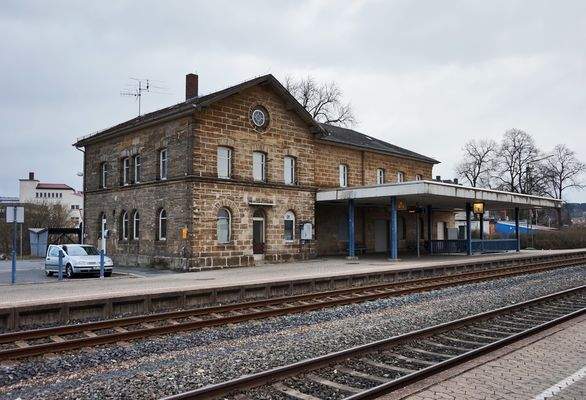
(322,100)
(515,162)
(477,162)
(563,171)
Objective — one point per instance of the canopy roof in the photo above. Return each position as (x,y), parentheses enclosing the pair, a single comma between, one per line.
(439,195)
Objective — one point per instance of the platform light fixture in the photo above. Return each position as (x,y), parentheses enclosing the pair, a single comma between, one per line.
(478,207)
(401,205)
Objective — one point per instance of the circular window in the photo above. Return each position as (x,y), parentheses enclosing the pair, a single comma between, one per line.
(259,117)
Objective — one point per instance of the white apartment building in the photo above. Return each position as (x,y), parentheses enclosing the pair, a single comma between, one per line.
(31,190)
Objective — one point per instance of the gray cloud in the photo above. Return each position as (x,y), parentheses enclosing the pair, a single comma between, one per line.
(424,75)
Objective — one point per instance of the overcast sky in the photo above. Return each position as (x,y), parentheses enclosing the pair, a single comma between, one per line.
(425,75)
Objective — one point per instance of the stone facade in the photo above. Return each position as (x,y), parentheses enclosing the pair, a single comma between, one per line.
(192,193)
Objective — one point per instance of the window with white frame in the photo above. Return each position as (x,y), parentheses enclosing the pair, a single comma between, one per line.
(104,175)
(224,162)
(163,163)
(136,162)
(289,225)
(400,176)
(380,176)
(126,171)
(162,225)
(224,226)
(124,226)
(418,177)
(135,225)
(259,161)
(343,175)
(289,170)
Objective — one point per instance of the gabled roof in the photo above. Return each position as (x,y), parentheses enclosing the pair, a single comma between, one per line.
(197,103)
(350,137)
(54,186)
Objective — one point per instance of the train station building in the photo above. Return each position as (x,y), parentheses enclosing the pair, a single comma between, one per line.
(246,175)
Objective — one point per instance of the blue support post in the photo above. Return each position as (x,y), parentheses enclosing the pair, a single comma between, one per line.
(14,225)
(517,236)
(429,228)
(481,216)
(60,264)
(351,237)
(102,264)
(468,229)
(393,253)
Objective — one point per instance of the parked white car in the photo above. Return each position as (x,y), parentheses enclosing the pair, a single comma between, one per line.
(77,259)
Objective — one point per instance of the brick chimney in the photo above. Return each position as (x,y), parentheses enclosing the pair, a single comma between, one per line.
(190,86)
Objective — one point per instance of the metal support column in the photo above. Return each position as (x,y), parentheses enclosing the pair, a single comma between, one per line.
(393,246)
(517,236)
(468,229)
(351,237)
(481,216)
(429,228)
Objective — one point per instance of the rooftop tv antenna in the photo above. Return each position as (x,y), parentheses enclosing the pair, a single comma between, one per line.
(136,90)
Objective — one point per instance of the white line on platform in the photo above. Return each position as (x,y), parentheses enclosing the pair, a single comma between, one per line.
(561,385)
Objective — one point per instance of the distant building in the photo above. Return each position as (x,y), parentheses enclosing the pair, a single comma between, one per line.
(32,190)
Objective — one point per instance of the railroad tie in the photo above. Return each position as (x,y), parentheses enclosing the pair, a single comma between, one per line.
(361,375)
(147,325)
(90,334)
(172,321)
(335,385)
(293,392)
(387,367)
(21,344)
(429,353)
(445,346)
(120,329)
(56,339)
(409,359)
(470,342)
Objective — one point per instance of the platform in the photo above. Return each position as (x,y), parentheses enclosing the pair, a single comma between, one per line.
(549,365)
(111,297)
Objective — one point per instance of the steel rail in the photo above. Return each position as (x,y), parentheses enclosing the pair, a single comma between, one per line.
(280,373)
(247,310)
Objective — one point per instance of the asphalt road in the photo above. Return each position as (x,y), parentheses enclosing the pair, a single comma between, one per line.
(32,271)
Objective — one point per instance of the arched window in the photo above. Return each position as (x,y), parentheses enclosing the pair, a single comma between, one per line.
(135,225)
(380,176)
(224,225)
(289,225)
(124,226)
(343,175)
(162,225)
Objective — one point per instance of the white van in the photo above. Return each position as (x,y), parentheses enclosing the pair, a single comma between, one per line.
(77,259)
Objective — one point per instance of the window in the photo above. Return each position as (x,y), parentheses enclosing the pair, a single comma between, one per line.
(60,195)
(102,225)
(135,226)
(224,226)
(343,170)
(163,164)
(162,225)
(224,162)
(418,177)
(124,226)
(289,170)
(400,176)
(37,195)
(259,161)
(103,175)
(380,176)
(289,225)
(136,169)
(125,171)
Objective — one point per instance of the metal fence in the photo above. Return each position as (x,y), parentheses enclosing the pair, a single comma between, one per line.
(460,245)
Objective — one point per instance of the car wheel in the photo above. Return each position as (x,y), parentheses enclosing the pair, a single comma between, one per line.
(48,273)
(108,274)
(69,271)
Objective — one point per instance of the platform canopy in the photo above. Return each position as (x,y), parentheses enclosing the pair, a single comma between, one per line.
(439,195)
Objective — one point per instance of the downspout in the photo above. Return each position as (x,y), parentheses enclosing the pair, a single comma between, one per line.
(84,191)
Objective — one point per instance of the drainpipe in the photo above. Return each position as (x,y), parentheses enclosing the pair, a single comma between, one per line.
(83,188)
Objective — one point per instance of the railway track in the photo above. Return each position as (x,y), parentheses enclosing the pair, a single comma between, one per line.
(67,337)
(373,369)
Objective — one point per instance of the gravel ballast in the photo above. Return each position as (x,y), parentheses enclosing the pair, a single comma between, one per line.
(156,367)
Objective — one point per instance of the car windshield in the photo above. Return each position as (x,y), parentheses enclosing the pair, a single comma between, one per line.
(82,251)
